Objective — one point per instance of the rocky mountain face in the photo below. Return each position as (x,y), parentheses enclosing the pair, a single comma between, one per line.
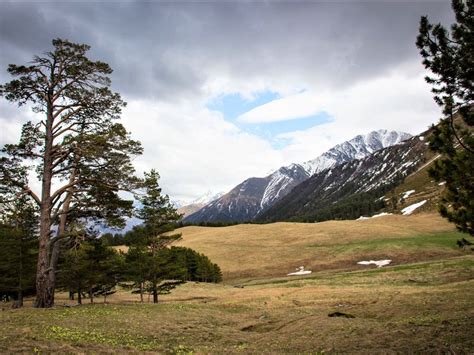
(250,197)
(256,195)
(351,189)
(356,148)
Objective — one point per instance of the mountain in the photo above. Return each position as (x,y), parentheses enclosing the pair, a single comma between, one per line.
(351,189)
(255,195)
(247,199)
(188,208)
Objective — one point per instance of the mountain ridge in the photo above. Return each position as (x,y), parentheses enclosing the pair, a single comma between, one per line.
(257,194)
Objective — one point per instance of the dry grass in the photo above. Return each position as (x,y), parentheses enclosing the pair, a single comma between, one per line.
(422,304)
(271,250)
(425,307)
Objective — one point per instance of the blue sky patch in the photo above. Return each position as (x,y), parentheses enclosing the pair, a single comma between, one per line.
(233,105)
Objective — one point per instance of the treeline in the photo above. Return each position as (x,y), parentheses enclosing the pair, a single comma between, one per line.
(18,251)
(95,269)
(88,265)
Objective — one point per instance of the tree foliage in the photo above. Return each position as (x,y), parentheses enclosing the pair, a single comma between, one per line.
(81,154)
(91,267)
(18,249)
(449,56)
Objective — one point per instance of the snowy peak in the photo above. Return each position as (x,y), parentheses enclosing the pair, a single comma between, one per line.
(357,148)
(255,195)
(207,197)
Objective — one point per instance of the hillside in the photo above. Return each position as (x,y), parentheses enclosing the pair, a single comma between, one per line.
(352,189)
(273,250)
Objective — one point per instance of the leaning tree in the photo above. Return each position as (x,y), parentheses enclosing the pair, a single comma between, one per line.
(81,154)
(449,56)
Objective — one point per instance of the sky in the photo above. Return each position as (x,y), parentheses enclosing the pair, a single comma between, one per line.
(219,91)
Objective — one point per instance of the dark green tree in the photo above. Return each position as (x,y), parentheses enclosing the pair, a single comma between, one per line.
(158,215)
(137,260)
(449,56)
(77,143)
(91,267)
(159,220)
(18,248)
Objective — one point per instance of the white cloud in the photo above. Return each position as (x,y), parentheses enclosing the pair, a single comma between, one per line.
(287,108)
(399,101)
(196,150)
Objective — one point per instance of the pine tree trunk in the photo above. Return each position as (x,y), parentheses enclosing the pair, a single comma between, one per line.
(45,276)
(141,292)
(91,295)
(20,298)
(155,293)
(20,276)
(79,296)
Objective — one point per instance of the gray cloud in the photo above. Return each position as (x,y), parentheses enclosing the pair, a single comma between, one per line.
(165,50)
(168,58)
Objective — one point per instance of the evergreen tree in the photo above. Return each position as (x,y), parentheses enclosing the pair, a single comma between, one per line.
(159,219)
(91,267)
(18,249)
(449,56)
(78,142)
(136,260)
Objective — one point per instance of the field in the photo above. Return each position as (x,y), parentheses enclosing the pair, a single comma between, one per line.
(421,303)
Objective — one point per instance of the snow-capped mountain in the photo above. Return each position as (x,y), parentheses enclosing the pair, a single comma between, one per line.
(207,197)
(188,208)
(356,148)
(351,189)
(255,195)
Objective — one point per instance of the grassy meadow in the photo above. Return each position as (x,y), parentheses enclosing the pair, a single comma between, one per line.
(421,303)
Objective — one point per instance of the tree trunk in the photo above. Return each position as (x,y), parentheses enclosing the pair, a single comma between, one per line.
(71,295)
(141,292)
(20,298)
(155,294)
(91,295)
(20,276)
(79,296)
(45,272)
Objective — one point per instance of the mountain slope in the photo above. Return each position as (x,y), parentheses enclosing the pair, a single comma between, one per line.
(351,189)
(245,200)
(356,148)
(255,195)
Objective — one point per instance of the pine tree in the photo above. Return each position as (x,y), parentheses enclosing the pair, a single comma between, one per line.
(91,267)
(18,248)
(449,56)
(78,142)
(159,219)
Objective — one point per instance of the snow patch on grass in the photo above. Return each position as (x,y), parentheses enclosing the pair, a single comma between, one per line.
(408,193)
(409,210)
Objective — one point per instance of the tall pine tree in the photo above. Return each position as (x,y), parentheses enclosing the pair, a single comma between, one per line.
(80,151)
(159,219)
(449,56)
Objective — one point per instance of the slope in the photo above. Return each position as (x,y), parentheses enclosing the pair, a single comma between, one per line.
(352,189)
(273,250)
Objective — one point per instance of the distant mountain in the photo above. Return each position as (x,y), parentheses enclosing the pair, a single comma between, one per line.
(188,208)
(255,195)
(352,189)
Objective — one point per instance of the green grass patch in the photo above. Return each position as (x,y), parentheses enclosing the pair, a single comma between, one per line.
(445,240)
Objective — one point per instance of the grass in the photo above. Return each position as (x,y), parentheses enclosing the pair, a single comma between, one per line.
(259,251)
(422,303)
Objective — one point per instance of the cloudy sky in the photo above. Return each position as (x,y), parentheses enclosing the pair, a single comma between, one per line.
(220,91)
